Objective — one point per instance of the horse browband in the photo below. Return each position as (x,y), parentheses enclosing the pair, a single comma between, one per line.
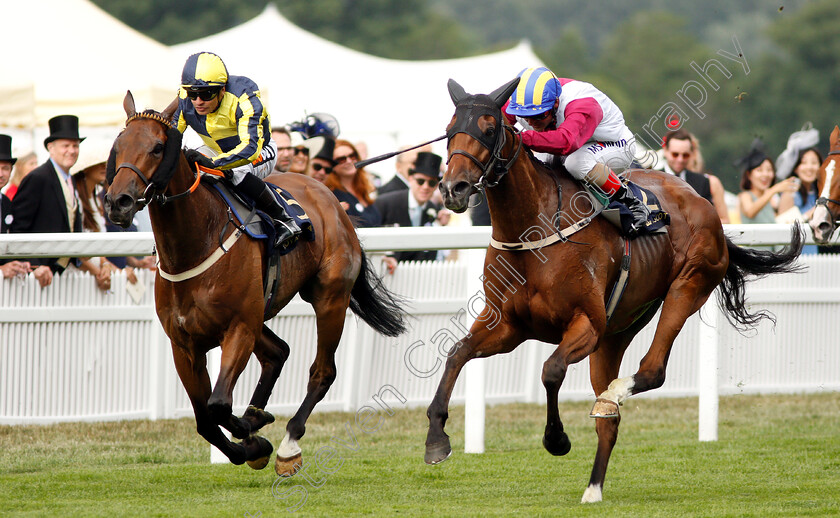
(171,150)
(150,115)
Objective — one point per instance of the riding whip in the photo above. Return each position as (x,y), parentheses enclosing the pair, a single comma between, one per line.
(386,156)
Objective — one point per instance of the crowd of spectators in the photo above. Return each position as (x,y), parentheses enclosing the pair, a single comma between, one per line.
(55,197)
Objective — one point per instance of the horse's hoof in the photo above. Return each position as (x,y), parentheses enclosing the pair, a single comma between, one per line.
(259,415)
(604,408)
(260,463)
(437,453)
(557,448)
(265,449)
(288,466)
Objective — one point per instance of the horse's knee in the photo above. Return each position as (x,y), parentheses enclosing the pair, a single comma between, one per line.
(219,410)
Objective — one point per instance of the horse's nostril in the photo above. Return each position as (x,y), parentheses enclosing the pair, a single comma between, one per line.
(461,189)
(125,202)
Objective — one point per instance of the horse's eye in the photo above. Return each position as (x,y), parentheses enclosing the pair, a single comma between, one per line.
(158,149)
(490,131)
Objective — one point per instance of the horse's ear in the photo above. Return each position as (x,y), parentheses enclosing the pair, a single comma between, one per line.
(456,92)
(170,110)
(835,135)
(502,94)
(128,105)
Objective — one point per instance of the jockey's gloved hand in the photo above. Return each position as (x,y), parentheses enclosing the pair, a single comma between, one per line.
(193,156)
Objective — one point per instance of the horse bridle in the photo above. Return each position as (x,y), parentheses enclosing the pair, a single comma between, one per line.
(471,112)
(824,201)
(155,185)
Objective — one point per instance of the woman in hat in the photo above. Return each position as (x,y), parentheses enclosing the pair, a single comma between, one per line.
(353,187)
(761,198)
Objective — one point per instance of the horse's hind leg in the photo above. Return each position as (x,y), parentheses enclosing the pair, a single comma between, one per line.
(272,352)
(604,364)
(192,369)
(578,341)
(685,297)
(330,313)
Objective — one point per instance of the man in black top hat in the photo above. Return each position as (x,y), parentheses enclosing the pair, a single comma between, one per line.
(46,200)
(413,207)
(8,268)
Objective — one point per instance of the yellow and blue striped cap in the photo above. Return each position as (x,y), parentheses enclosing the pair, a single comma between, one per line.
(204,69)
(538,89)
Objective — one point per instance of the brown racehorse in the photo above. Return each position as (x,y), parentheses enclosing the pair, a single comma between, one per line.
(558,293)
(223,305)
(827,213)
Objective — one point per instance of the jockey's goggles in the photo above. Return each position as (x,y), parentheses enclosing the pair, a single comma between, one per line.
(205,94)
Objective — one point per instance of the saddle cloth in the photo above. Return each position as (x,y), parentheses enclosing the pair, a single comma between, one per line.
(263,227)
(621,217)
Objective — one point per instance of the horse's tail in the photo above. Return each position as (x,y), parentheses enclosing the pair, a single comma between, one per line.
(371,301)
(756,263)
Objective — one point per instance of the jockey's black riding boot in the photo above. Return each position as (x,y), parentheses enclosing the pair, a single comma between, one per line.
(265,201)
(640,212)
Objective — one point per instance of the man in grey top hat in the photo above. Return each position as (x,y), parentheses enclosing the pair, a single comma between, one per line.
(46,200)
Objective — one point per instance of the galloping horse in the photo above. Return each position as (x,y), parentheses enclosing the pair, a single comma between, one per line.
(827,213)
(558,292)
(202,307)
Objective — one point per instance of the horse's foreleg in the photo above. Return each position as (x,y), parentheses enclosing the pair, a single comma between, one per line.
(330,325)
(579,340)
(482,342)
(193,373)
(237,346)
(272,352)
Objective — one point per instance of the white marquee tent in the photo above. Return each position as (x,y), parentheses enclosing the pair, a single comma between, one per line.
(69,56)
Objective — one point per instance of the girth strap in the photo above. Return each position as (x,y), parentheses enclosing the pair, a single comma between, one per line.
(621,283)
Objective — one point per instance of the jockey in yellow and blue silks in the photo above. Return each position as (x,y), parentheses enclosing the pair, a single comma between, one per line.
(228,115)
(580,124)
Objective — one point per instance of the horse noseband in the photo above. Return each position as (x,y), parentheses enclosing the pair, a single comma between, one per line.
(467,115)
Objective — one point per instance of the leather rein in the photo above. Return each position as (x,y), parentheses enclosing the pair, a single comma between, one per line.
(501,166)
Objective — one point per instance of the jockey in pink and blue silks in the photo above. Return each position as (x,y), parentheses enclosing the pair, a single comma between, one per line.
(578,123)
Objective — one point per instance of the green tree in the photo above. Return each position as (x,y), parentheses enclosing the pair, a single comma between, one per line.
(176,22)
(648,58)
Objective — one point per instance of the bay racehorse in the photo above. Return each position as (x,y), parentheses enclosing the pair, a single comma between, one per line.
(827,213)
(202,307)
(558,293)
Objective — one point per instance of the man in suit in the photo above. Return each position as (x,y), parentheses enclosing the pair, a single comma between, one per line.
(46,200)
(405,161)
(8,268)
(413,207)
(679,151)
